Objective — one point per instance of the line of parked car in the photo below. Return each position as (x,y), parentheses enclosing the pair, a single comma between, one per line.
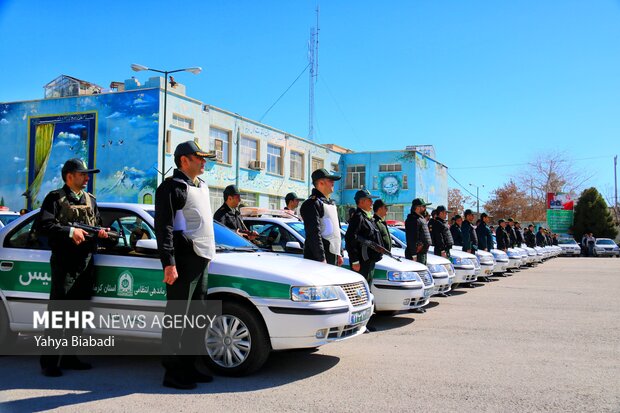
(282,300)
(603,247)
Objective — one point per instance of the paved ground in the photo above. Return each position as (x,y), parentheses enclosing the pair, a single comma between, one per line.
(545,339)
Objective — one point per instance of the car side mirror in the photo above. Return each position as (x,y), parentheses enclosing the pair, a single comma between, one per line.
(294,247)
(146,246)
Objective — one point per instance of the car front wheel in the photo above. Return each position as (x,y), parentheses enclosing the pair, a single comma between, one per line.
(237,343)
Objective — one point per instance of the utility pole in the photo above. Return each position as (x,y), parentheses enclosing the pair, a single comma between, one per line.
(477,198)
(313,61)
(616,181)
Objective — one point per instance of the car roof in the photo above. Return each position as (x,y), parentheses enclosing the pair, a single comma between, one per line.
(271,219)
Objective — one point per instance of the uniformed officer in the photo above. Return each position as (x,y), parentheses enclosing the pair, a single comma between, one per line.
(230,216)
(512,234)
(71,261)
(380,209)
(519,233)
(470,239)
(320,216)
(501,236)
(530,237)
(483,231)
(541,240)
(440,233)
(292,202)
(456,231)
(416,230)
(186,243)
(362,228)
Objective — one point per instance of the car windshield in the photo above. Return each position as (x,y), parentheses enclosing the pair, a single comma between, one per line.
(298,227)
(6,218)
(605,242)
(567,241)
(225,238)
(398,233)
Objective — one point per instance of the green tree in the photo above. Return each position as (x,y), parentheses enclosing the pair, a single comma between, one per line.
(592,215)
(2,201)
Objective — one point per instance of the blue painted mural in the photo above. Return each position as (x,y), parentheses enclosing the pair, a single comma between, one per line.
(116,132)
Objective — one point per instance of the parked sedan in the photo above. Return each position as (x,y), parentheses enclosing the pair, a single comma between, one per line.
(396,285)
(569,246)
(269,301)
(606,247)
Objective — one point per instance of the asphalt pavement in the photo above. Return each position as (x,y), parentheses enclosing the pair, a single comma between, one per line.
(544,339)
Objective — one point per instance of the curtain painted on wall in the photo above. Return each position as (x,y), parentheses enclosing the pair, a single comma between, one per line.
(43,138)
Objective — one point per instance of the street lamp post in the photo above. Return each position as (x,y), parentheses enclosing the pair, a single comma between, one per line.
(477,197)
(139,68)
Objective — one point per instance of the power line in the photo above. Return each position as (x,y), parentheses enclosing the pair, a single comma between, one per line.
(459,184)
(527,163)
(329,91)
(284,93)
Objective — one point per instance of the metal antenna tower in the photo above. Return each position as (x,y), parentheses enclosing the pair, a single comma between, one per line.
(313,61)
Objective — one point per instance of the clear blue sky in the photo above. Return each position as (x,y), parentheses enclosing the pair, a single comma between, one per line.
(486,82)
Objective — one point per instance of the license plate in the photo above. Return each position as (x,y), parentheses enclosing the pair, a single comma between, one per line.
(360,316)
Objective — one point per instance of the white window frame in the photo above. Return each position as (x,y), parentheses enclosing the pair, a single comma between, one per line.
(356,177)
(217,138)
(248,154)
(301,166)
(183,122)
(278,159)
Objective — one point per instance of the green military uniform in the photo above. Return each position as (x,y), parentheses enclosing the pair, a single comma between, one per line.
(386,238)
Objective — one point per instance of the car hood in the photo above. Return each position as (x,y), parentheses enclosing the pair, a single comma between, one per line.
(281,268)
(390,264)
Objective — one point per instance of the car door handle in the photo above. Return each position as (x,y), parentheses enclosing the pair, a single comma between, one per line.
(6,266)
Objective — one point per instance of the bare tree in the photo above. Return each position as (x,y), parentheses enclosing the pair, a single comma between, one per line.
(457,201)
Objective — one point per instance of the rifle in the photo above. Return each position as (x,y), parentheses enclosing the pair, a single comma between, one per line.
(92,231)
(366,243)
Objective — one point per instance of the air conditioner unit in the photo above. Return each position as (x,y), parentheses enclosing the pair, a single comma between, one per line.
(257,165)
(219,150)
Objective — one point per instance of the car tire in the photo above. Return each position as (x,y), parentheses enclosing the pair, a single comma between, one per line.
(7,337)
(237,343)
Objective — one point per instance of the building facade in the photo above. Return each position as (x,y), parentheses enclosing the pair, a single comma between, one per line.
(122,133)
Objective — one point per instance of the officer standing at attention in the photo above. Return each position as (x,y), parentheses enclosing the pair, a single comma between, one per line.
(416,230)
(440,233)
(512,235)
(470,239)
(292,202)
(320,216)
(501,236)
(530,237)
(72,251)
(456,231)
(186,243)
(541,240)
(381,209)
(485,236)
(229,216)
(362,228)
(519,233)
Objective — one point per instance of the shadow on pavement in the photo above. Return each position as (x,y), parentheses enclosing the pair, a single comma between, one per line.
(119,376)
(431,304)
(383,322)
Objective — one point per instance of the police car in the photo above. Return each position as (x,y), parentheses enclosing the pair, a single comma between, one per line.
(466,266)
(270,301)
(569,247)
(396,286)
(485,259)
(7,216)
(441,268)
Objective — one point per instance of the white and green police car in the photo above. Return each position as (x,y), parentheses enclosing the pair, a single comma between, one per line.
(397,285)
(270,301)
(441,268)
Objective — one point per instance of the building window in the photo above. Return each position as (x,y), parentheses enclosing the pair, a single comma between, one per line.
(249,199)
(396,213)
(297,165)
(216,198)
(317,164)
(356,176)
(248,152)
(390,167)
(275,202)
(274,159)
(335,167)
(182,122)
(219,142)
(405,182)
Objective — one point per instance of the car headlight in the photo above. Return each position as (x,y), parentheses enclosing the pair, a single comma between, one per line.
(321,293)
(436,268)
(514,254)
(461,261)
(402,276)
